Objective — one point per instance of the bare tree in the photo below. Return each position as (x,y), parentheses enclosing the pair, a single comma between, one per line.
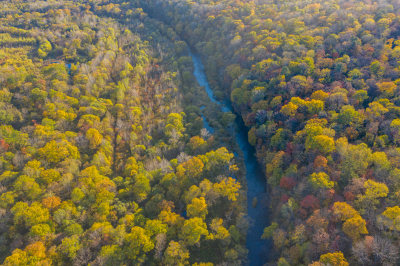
(384,251)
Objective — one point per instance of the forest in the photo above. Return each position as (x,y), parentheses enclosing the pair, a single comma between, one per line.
(107,156)
(103,155)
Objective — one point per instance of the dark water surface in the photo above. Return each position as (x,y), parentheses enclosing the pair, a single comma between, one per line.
(256,185)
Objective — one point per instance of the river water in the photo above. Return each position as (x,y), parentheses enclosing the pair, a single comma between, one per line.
(256,185)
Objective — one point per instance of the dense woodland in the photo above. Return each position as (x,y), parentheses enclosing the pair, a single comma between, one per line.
(317,83)
(104,159)
(103,156)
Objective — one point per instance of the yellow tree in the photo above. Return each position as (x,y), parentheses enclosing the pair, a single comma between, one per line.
(355,227)
(33,254)
(192,230)
(94,137)
(321,180)
(333,259)
(176,254)
(198,208)
(373,191)
(228,187)
(137,243)
(391,218)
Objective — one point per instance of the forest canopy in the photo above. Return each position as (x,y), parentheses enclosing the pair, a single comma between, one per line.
(317,83)
(105,158)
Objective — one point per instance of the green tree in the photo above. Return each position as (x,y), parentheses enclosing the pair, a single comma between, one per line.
(70,246)
(321,180)
(40,230)
(322,143)
(198,208)
(174,128)
(218,230)
(30,215)
(373,191)
(54,152)
(44,48)
(377,69)
(136,244)
(391,218)
(192,230)
(349,116)
(268,231)
(141,187)
(176,254)
(27,187)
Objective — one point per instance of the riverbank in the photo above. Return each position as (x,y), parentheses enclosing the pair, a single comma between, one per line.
(257,198)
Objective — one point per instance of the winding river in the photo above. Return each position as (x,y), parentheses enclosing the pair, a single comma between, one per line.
(256,185)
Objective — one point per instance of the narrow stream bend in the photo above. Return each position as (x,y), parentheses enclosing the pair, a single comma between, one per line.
(256,185)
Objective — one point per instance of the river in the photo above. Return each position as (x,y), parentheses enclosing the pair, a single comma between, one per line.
(256,185)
